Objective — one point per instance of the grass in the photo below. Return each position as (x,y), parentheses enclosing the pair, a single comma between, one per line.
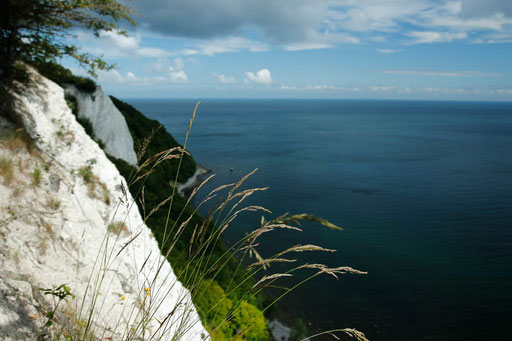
(36,176)
(6,170)
(53,203)
(94,184)
(226,283)
(118,228)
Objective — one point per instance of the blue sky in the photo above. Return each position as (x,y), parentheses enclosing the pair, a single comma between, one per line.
(394,49)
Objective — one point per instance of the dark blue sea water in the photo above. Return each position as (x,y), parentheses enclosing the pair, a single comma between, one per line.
(422,189)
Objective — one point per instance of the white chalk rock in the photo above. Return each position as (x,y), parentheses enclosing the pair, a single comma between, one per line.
(47,244)
(108,124)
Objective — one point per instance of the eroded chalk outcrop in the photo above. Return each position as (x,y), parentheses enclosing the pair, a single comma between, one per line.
(59,198)
(108,124)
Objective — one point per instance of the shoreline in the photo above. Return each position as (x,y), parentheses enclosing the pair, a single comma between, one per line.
(188,186)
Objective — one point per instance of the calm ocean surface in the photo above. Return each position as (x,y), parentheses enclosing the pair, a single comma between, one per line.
(422,189)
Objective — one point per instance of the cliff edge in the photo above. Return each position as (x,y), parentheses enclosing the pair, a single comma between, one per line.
(67,218)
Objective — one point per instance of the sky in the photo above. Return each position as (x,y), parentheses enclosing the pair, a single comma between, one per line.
(347,49)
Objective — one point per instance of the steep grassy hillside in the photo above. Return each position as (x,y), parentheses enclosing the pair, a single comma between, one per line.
(141,129)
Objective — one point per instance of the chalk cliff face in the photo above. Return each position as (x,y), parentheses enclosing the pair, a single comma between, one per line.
(107,122)
(74,224)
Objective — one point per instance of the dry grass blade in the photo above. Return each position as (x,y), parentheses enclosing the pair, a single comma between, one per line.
(298,217)
(127,243)
(190,123)
(239,183)
(220,188)
(309,247)
(356,334)
(144,175)
(145,143)
(267,278)
(359,336)
(197,188)
(178,233)
(163,155)
(157,207)
(342,270)
(266,262)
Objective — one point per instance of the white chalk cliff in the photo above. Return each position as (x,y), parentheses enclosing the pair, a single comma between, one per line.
(55,232)
(108,123)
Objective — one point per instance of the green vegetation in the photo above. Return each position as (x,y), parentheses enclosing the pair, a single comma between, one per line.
(86,173)
(35,30)
(185,267)
(62,292)
(36,177)
(61,75)
(299,331)
(150,138)
(6,170)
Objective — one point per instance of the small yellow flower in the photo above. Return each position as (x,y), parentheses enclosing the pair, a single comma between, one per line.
(148,291)
(123,297)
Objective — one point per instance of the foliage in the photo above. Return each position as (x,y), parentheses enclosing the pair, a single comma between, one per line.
(223,320)
(62,292)
(250,322)
(141,128)
(36,30)
(154,194)
(61,75)
(213,306)
(299,331)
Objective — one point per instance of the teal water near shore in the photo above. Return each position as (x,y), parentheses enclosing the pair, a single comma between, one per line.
(422,189)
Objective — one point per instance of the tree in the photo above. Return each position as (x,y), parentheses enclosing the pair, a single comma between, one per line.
(36,30)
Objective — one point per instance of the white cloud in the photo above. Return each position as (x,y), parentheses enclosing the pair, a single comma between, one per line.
(442,73)
(382,88)
(427,37)
(322,87)
(114,44)
(307,46)
(504,91)
(176,73)
(388,51)
(224,79)
(167,72)
(262,77)
(224,45)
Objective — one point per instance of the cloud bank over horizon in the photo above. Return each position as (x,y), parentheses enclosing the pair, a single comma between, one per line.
(315,48)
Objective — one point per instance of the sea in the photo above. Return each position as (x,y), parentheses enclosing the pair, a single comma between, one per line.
(422,189)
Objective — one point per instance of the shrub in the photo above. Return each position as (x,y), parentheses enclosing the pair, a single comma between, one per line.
(63,76)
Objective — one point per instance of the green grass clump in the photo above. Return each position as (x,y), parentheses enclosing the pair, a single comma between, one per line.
(86,173)
(36,176)
(6,170)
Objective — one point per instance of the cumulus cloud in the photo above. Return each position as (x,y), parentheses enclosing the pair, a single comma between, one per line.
(114,43)
(176,73)
(262,77)
(224,79)
(281,21)
(305,24)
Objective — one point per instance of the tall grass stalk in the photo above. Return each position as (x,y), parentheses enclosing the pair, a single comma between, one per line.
(203,263)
